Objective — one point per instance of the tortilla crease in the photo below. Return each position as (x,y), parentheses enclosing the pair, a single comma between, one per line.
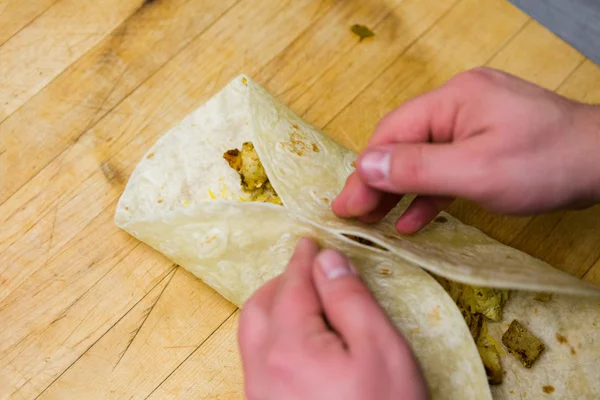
(184,200)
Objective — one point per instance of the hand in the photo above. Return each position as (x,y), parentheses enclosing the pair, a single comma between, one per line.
(486,136)
(289,352)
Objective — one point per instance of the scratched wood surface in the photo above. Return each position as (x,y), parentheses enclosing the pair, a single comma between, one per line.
(86,87)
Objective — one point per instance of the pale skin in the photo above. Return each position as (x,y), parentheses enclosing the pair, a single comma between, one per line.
(486,136)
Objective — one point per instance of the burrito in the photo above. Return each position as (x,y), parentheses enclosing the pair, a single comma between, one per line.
(229,191)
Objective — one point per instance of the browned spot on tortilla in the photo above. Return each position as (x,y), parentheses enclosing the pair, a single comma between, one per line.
(211,239)
(315,148)
(512,392)
(325,200)
(160,201)
(548,389)
(441,220)
(353,164)
(297,144)
(579,346)
(435,314)
(508,256)
(126,208)
(295,126)
(561,339)
(150,156)
(385,271)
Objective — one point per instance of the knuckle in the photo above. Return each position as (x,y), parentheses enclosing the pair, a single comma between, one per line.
(347,288)
(279,362)
(247,312)
(252,390)
(476,77)
(407,167)
(250,317)
(244,320)
(257,385)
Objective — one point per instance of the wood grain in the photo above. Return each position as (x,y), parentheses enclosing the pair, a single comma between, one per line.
(87,91)
(109,161)
(170,324)
(89,312)
(17,14)
(42,50)
(216,364)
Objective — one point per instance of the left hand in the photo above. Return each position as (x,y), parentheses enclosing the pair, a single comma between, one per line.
(289,352)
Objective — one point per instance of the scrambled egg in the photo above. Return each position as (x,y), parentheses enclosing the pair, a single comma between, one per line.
(252,174)
(490,357)
(476,305)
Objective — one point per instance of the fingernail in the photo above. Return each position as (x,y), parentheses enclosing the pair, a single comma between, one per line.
(375,165)
(334,265)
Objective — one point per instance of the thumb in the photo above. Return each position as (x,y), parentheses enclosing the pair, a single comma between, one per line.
(435,169)
(348,305)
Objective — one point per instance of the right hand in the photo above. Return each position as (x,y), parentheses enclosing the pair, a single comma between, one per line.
(487,136)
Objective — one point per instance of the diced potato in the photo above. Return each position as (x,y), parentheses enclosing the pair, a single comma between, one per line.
(522,344)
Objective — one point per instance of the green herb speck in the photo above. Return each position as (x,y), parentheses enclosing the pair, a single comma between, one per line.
(361,31)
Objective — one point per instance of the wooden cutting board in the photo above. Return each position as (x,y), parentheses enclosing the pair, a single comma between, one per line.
(86,87)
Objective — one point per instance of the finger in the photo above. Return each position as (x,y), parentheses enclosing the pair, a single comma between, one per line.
(426,118)
(426,169)
(297,309)
(253,324)
(349,306)
(363,202)
(356,199)
(421,212)
(386,204)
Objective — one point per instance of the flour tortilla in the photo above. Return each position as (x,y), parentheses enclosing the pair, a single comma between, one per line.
(215,240)
(184,200)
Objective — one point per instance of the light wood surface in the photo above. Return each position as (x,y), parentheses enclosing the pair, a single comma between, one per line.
(86,87)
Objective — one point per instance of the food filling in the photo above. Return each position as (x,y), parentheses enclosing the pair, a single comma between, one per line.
(252,174)
(543,297)
(490,357)
(477,305)
(522,344)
